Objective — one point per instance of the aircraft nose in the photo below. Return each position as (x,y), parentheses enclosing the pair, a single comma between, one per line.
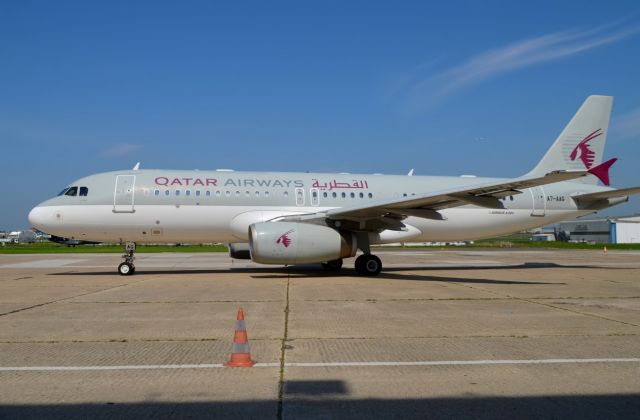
(38,218)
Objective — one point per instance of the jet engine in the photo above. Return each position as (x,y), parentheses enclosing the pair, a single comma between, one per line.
(298,243)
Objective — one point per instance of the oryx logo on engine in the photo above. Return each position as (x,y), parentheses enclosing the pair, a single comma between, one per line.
(284,239)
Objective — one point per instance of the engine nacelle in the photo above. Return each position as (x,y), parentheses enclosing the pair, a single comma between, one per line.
(239,251)
(298,243)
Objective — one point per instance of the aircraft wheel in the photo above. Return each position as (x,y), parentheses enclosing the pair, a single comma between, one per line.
(126,269)
(333,265)
(368,265)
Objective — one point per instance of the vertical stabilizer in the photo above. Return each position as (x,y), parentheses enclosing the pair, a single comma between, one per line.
(580,146)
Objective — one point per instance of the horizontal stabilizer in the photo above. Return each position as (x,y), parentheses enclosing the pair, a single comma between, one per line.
(603,195)
(602,171)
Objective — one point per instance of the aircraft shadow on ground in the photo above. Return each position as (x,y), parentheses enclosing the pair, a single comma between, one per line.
(313,271)
(317,403)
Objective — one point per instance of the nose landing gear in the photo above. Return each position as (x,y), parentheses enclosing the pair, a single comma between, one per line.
(127,268)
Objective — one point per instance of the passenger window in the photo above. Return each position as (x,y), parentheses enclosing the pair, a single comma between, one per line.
(208,193)
(344,195)
(84,191)
(361,195)
(177,193)
(247,193)
(227,193)
(370,195)
(324,194)
(511,197)
(218,193)
(334,195)
(266,193)
(197,193)
(156,192)
(286,193)
(187,193)
(72,192)
(353,195)
(257,193)
(166,192)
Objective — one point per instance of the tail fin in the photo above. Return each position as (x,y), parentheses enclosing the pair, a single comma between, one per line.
(580,146)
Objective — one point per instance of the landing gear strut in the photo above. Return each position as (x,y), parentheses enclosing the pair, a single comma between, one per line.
(367,264)
(127,268)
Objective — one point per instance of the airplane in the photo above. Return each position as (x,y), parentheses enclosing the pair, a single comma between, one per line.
(297,218)
(70,241)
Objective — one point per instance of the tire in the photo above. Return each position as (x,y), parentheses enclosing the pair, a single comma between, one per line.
(126,269)
(359,264)
(333,265)
(368,265)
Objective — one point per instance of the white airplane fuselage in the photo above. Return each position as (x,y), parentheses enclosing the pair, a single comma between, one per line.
(156,206)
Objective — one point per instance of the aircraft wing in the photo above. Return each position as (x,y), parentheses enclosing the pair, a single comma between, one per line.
(484,195)
(603,195)
(388,214)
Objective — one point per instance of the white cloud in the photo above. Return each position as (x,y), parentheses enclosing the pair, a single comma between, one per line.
(512,57)
(122,149)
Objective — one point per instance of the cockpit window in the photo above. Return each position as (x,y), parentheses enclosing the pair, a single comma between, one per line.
(72,191)
(63,191)
(84,191)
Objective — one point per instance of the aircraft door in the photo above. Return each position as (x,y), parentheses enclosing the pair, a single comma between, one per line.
(539,201)
(315,196)
(299,196)
(123,194)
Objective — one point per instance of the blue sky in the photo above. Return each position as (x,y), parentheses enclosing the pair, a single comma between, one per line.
(458,88)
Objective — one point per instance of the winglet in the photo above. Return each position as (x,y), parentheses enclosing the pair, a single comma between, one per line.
(602,170)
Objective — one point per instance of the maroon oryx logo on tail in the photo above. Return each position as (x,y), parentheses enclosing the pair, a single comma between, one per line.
(587,155)
(284,239)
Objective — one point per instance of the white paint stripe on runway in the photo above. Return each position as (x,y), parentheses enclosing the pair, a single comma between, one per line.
(42,264)
(468,362)
(321,364)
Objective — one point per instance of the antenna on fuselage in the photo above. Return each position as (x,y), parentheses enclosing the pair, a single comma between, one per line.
(410,172)
(137,166)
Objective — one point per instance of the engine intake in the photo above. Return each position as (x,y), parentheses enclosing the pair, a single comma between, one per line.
(298,243)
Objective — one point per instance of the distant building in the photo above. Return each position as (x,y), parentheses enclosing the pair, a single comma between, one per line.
(544,237)
(614,230)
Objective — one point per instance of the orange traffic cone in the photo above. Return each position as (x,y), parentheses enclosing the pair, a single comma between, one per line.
(240,356)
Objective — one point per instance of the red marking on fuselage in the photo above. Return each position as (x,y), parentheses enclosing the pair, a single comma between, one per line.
(186,182)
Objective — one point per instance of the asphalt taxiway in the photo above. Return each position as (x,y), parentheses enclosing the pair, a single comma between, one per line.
(464,332)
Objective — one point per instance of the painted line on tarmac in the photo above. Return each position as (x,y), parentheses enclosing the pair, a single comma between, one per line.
(321,364)
(467,362)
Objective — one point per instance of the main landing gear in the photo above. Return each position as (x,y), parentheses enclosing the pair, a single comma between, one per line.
(368,265)
(127,268)
(333,265)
